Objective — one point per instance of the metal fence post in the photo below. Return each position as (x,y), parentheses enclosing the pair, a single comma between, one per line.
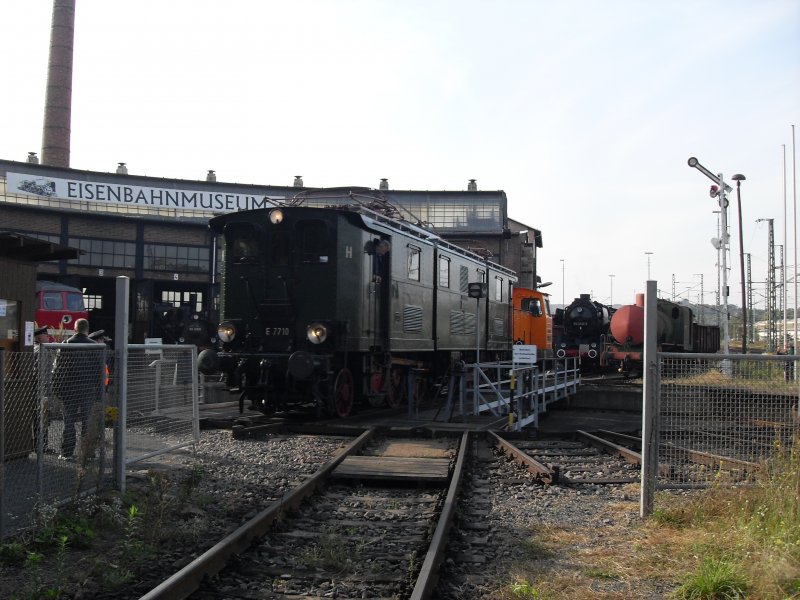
(2,441)
(650,427)
(195,397)
(121,333)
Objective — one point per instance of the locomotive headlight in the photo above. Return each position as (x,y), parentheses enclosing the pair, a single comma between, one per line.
(317,333)
(226,331)
(276,216)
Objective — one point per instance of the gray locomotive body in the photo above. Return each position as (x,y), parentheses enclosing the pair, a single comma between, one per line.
(337,305)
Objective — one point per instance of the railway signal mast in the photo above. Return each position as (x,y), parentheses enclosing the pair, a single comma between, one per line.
(719,191)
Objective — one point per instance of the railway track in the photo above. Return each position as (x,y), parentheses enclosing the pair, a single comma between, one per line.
(375,521)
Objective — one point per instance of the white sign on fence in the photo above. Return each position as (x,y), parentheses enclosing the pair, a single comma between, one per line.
(524,354)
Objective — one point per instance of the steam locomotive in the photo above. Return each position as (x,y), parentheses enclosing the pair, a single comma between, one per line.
(678,331)
(584,330)
(332,297)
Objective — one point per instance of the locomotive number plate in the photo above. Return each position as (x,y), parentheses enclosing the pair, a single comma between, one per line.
(276,331)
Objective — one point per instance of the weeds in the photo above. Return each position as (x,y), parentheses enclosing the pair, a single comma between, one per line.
(329,552)
(715,579)
(524,589)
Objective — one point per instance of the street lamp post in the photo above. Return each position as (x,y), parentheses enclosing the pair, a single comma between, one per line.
(563,294)
(739,178)
(649,254)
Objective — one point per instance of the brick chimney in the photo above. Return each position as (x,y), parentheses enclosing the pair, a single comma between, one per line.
(58,97)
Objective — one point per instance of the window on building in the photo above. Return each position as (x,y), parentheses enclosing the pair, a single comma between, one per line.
(93,301)
(163,257)
(104,253)
(181,298)
(414,254)
(444,272)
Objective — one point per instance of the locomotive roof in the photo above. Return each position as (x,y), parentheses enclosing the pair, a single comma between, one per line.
(55,287)
(372,219)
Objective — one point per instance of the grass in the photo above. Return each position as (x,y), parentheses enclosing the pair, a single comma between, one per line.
(724,543)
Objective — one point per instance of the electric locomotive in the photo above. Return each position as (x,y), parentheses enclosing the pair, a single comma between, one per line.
(331,303)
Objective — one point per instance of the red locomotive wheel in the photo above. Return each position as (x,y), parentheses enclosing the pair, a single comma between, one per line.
(396,391)
(343,391)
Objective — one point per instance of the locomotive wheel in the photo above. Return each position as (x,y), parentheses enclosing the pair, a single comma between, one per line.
(396,388)
(343,391)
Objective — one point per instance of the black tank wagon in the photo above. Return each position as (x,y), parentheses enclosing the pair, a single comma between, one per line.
(334,303)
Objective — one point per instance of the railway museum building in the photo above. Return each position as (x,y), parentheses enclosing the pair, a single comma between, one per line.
(155,231)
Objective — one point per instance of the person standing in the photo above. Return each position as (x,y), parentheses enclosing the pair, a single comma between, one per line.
(78,377)
(41,392)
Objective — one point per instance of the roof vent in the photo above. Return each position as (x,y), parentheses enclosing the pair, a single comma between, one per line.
(211,175)
(384,184)
(472,186)
(122,169)
(32,158)
(298,181)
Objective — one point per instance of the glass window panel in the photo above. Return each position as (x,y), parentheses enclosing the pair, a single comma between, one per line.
(444,271)
(413,263)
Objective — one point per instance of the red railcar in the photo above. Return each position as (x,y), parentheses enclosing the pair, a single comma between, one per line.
(58,306)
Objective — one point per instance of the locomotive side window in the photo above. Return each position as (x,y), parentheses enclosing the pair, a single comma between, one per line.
(498,289)
(463,279)
(313,237)
(444,272)
(414,254)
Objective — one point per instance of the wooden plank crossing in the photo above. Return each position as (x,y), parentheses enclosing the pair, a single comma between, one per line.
(394,468)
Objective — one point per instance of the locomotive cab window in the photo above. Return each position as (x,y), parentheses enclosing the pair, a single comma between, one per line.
(75,301)
(444,272)
(52,301)
(313,241)
(532,305)
(245,245)
(414,254)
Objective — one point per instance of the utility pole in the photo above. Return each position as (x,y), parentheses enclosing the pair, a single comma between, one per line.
(673,287)
(772,332)
(702,300)
(750,315)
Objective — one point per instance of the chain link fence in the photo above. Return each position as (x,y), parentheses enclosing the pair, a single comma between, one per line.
(55,425)
(162,411)
(720,417)
(60,412)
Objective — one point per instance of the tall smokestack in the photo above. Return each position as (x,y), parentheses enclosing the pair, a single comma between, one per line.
(58,98)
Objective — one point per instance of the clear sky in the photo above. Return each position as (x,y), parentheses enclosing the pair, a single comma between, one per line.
(584,111)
